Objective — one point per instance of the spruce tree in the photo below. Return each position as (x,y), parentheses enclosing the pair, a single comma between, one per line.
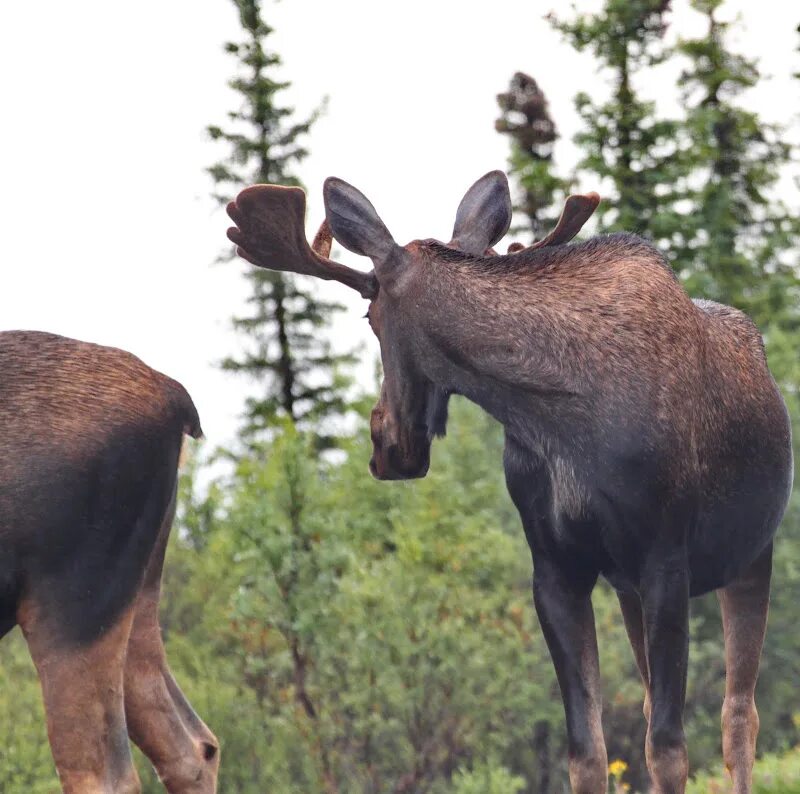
(624,142)
(525,118)
(734,236)
(298,375)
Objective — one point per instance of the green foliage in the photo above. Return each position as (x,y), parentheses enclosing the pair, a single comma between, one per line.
(773,774)
(298,374)
(379,646)
(487,779)
(25,761)
(262,136)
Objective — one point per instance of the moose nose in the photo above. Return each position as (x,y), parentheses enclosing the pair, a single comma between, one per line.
(379,467)
(391,464)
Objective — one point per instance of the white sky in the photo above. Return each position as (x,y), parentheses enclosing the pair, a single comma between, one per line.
(107,231)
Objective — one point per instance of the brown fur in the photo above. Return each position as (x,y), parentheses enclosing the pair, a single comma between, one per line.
(56,381)
(745,603)
(89,445)
(83,697)
(162,723)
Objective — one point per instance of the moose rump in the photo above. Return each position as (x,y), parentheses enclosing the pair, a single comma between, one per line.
(89,444)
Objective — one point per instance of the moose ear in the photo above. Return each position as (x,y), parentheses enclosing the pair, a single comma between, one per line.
(354,221)
(483,215)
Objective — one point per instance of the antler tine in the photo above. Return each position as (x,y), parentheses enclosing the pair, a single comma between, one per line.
(577,210)
(323,240)
(270,233)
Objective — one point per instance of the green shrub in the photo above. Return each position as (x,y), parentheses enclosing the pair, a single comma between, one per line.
(486,779)
(773,774)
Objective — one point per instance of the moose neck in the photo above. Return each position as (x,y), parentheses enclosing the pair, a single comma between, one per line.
(505,340)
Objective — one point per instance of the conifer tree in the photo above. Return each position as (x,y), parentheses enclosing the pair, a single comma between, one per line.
(298,375)
(525,118)
(623,141)
(733,241)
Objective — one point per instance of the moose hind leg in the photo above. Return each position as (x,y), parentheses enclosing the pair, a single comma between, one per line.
(565,612)
(665,608)
(182,749)
(744,604)
(82,687)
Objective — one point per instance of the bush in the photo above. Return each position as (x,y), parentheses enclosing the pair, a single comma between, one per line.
(486,779)
(773,774)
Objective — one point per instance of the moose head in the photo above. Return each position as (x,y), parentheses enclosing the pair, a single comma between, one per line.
(411,410)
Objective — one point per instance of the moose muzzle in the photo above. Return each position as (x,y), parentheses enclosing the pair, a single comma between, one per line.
(397,453)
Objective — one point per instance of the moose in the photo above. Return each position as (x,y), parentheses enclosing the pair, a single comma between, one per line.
(90,439)
(645,439)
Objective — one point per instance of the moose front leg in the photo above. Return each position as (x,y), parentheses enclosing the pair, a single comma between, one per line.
(665,609)
(564,606)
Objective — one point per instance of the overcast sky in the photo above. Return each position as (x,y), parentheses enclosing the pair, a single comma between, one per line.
(107,230)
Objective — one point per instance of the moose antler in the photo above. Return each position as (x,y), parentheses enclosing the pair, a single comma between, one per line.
(323,240)
(577,210)
(270,233)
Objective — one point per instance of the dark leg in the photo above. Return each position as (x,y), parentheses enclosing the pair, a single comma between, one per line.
(6,624)
(631,606)
(744,603)
(665,608)
(563,604)
(160,720)
(82,688)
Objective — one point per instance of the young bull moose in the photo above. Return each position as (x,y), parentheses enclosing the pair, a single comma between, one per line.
(89,445)
(645,438)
